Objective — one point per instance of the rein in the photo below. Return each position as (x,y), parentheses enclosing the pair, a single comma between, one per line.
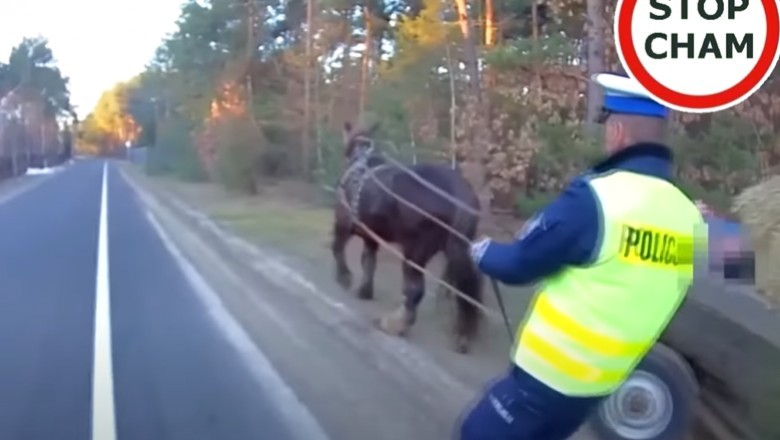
(354,179)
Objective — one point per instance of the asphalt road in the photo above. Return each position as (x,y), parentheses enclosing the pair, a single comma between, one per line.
(148,361)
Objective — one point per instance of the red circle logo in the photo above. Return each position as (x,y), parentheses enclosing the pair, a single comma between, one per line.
(698,55)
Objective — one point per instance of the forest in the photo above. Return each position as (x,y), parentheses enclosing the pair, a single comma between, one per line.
(36,116)
(246,90)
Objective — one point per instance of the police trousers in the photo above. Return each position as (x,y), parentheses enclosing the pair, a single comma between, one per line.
(516,406)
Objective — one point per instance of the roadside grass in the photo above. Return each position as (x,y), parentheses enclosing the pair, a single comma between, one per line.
(279,223)
(283,215)
(297,218)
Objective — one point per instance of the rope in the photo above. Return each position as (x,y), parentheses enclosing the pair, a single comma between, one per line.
(501,314)
(419,210)
(502,308)
(458,203)
(385,244)
(431,186)
(493,282)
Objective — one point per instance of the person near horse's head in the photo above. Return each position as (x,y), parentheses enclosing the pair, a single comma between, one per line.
(612,256)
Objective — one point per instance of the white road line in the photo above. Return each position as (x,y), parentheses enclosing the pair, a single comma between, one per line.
(301,422)
(103,423)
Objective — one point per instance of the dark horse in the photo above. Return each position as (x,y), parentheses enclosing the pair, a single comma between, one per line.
(362,198)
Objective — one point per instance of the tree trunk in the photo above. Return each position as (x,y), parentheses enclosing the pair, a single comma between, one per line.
(491,30)
(595,60)
(251,46)
(453,110)
(469,48)
(490,34)
(306,132)
(365,70)
(43,145)
(476,132)
(318,115)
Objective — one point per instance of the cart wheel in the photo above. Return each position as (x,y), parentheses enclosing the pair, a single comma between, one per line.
(657,402)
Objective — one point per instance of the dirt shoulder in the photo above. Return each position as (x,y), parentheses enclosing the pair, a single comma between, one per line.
(358,382)
(267,258)
(290,219)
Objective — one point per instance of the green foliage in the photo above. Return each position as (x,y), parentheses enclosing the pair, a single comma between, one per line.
(144,107)
(40,97)
(720,160)
(729,146)
(567,146)
(31,68)
(332,150)
(531,79)
(524,52)
(564,152)
(234,168)
(89,132)
(239,149)
(527,205)
(173,153)
(717,199)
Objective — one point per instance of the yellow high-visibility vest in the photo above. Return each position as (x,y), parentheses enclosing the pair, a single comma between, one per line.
(589,326)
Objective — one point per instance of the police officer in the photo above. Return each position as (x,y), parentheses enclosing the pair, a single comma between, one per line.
(613,259)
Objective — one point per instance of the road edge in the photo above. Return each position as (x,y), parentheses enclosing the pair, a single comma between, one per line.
(298,417)
(437,386)
(14,187)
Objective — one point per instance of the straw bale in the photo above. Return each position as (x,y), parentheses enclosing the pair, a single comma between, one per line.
(758,208)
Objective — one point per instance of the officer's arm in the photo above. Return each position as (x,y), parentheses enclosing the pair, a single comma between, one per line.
(565,233)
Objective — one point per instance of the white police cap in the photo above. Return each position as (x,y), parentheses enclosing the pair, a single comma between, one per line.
(623,95)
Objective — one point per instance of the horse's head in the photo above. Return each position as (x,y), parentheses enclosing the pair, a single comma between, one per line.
(358,142)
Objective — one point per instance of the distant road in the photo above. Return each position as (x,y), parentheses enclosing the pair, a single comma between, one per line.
(103,333)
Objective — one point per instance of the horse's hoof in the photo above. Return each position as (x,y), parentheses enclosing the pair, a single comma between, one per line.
(365,293)
(396,323)
(344,279)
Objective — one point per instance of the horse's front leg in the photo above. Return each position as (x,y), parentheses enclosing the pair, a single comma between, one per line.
(401,319)
(368,261)
(418,252)
(341,235)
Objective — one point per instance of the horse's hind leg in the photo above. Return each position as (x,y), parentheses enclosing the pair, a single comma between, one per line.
(341,234)
(368,261)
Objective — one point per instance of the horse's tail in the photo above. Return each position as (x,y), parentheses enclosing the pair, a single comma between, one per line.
(461,272)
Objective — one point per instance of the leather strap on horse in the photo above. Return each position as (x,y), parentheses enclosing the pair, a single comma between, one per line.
(493,282)
(502,315)
(438,191)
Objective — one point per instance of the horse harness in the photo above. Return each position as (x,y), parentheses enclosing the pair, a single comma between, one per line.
(354,178)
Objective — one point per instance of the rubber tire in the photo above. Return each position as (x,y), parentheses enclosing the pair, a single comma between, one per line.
(665,364)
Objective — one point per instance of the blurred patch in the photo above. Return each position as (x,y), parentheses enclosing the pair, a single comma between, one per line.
(729,253)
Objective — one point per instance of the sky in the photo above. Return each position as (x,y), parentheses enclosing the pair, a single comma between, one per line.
(96,43)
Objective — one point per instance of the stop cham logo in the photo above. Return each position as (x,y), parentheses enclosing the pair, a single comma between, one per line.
(698,55)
